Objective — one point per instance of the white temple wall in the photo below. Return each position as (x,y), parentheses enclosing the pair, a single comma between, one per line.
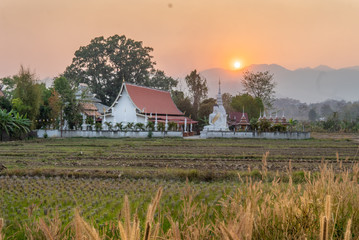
(107,134)
(267,135)
(124,111)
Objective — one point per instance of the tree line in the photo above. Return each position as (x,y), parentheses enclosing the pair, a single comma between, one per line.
(103,65)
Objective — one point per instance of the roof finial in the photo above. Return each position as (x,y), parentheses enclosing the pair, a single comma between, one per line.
(123,79)
(219,86)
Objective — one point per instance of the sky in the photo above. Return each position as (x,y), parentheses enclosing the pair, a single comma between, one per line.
(43,35)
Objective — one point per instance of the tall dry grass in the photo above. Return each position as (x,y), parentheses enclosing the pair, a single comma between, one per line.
(1,226)
(324,207)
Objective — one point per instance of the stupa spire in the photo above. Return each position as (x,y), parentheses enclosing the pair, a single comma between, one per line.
(219,86)
(219,96)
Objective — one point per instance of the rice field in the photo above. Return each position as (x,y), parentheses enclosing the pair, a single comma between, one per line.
(209,189)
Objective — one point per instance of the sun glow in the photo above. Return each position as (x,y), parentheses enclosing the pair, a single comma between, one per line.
(237,65)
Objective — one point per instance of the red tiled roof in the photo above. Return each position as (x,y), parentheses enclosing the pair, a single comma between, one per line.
(236,118)
(88,106)
(92,113)
(152,101)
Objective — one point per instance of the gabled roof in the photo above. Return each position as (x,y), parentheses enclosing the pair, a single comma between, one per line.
(149,100)
(238,117)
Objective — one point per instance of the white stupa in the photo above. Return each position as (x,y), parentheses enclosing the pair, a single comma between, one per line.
(218,118)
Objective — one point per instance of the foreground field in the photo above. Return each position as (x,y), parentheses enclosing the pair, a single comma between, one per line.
(323,207)
(149,157)
(274,197)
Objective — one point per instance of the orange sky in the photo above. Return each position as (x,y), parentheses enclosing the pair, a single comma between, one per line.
(44,34)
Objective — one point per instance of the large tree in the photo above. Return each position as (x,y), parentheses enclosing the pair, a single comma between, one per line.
(198,89)
(252,106)
(27,94)
(106,62)
(68,103)
(182,102)
(260,85)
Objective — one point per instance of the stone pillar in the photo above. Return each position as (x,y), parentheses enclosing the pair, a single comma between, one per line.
(185,125)
(146,120)
(65,125)
(156,123)
(190,127)
(104,126)
(166,124)
(84,125)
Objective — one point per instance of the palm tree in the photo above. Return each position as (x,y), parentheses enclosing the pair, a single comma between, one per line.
(13,123)
(140,126)
(119,126)
(130,126)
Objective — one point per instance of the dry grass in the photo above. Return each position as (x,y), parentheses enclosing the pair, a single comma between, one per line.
(324,207)
(1,226)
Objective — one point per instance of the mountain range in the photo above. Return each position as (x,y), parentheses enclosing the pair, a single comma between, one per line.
(308,85)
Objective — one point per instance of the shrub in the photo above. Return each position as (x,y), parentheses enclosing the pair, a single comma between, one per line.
(150,126)
(98,126)
(172,126)
(139,126)
(161,127)
(13,124)
(109,125)
(278,128)
(119,126)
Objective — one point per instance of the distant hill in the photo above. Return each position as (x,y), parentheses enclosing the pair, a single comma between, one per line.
(305,84)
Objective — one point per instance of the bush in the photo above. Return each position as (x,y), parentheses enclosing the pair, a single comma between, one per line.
(161,127)
(278,128)
(172,126)
(98,126)
(150,126)
(264,125)
(13,124)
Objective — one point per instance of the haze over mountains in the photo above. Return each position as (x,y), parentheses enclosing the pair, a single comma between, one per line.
(308,85)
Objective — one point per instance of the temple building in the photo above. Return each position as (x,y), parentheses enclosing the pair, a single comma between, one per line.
(138,104)
(238,120)
(276,120)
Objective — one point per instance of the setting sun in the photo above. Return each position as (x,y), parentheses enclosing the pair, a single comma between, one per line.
(237,65)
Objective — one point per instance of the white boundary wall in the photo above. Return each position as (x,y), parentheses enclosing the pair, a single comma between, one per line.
(104,134)
(268,135)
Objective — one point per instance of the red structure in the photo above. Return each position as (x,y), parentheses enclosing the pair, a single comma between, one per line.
(238,120)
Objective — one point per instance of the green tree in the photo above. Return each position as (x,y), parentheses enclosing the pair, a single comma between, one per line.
(44,117)
(106,62)
(252,106)
(183,103)
(8,86)
(55,104)
(13,123)
(198,89)
(206,108)
(27,93)
(260,85)
(227,100)
(69,104)
(5,104)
